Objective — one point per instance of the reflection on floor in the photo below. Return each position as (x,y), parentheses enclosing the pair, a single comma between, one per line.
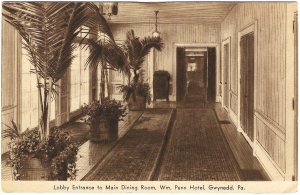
(89,153)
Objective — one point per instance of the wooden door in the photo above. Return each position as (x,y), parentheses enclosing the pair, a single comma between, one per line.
(211,74)
(181,76)
(296,95)
(225,74)
(247,84)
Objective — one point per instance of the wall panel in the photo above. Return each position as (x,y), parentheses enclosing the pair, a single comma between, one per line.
(269,71)
(270,59)
(275,145)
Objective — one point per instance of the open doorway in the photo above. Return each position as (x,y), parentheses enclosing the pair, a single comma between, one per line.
(196,74)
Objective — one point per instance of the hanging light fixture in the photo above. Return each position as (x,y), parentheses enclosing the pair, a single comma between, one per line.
(156,33)
(109,9)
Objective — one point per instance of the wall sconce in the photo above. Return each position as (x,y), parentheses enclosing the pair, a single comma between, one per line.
(109,9)
(156,33)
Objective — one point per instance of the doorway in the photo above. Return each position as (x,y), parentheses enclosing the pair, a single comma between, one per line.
(225,72)
(247,84)
(196,74)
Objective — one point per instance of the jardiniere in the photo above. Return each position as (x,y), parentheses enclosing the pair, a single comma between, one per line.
(137,104)
(33,169)
(103,118)
(136,94)
(103,129)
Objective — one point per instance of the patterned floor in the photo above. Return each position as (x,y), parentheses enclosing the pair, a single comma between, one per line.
(197,149)
(136,155)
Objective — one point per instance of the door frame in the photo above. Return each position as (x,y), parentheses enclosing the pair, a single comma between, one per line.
(224,42)
(291,94)
(174,67)
(250,28)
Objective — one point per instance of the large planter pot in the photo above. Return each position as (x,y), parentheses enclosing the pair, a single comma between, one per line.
(104,130)
(137,104)
(33,169)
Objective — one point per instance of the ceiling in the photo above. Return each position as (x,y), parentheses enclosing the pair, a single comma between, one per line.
(172,12)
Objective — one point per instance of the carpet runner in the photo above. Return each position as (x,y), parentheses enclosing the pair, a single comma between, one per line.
(135,156)
(197,149)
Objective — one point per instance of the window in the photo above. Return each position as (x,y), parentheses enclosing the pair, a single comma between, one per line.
(29,95)
(191,67)
(79,79)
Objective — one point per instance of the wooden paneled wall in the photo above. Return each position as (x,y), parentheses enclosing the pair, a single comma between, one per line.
(9,78)
(171,34)
(269,71)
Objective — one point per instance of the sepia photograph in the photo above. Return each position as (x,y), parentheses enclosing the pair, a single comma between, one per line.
(169,96)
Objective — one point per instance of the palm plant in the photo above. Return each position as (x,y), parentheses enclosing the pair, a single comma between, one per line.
(48,30)
(128,57)
(136,50)
(107,55)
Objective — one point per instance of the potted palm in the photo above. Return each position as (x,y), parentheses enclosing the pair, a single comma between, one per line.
(105,114)
(137,92)
(103,118)
(48,30)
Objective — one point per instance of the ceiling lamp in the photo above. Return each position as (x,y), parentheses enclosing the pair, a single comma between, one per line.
(109,9)
(156,33)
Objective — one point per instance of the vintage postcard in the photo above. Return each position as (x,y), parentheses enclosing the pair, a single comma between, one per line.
(149,96)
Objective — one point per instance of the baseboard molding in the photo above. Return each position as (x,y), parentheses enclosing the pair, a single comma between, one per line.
(247,138)
(218,98)
(233,117)
(268,164)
